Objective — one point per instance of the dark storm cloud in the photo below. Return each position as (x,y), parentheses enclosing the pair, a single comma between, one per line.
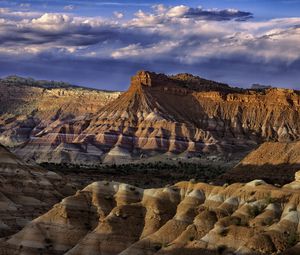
(115,74)
(218,15)
(105,52)
(63,30)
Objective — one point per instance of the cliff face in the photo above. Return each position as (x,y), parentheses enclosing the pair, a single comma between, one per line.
(159,114)
(187,218)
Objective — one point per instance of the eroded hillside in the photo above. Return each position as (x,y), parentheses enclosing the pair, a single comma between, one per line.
(168,116)
(187,218)
(29,107)
(181,114)
(274,162)
(26,191)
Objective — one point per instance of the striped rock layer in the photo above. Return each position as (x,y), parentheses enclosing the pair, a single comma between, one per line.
(26,191)
(188,218)
(161,115)
(274,162)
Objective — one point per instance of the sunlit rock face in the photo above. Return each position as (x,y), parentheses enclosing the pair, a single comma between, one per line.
(28,111)
(275,162)
(26,191)
(158,115)
(31,109)
(187,218)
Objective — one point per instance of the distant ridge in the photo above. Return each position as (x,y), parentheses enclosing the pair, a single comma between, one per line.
(31,82)
(259,86)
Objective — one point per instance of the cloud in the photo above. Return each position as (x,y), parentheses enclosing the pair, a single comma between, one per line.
(9,15)
(174,38)
(183,11)
(118,15)
(178,11)
(185,14)
(25,5)
(69,7)
(150,52)
(215,14)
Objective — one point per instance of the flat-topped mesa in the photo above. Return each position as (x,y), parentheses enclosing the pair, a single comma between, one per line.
(197,83)
(184,81)
(150,79)
(141,78)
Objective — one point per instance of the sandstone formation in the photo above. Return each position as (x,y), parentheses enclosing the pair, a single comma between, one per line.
(188,218)
(29,109)
(26,191)
(159,115)
(274,162)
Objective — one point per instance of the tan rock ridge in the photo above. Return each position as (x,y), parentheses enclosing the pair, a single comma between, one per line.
(185,80)
(187,218)
(27,109)
(168,116)
(26,191)
(274,162)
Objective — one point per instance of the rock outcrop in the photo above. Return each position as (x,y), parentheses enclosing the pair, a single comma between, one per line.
(29,109)
(163,115)
(26,191)
(187,218)
(274,162)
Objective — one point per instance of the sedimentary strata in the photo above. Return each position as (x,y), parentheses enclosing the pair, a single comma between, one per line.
(187,218)
(159,115)
(26,191)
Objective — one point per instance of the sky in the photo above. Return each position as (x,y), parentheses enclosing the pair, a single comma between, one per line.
(101,43)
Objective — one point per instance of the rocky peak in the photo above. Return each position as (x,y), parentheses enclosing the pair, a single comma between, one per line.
(181,80)
(150,79)
(142,78)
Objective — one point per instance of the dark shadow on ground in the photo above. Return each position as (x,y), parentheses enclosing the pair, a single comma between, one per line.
(149,175)
(273,174)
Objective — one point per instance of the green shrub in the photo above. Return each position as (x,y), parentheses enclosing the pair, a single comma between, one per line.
(292,239)
(253,211)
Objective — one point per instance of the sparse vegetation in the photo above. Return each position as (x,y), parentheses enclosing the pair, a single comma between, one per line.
(159,173)
(21,81)
(191,238)
(108,197)
(254,210)
(293,239)
(157,246)
(223,232)
(268,221)
(221,249)
(272,200)
(47,240)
